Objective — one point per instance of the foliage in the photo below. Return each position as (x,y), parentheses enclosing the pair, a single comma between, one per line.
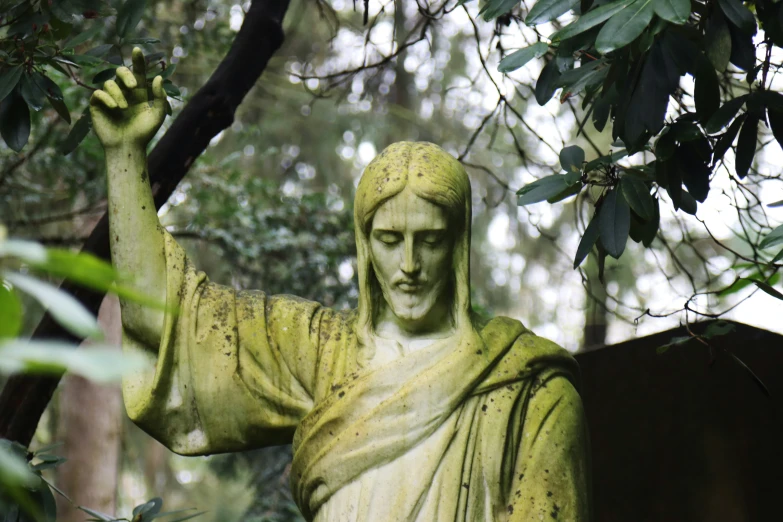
(627,58)
(47,46)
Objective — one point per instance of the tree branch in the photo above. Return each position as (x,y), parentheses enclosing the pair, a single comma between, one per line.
(211,110)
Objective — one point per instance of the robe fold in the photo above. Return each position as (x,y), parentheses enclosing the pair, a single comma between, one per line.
(487,427)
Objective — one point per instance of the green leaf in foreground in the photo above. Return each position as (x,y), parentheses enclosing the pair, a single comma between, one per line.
(615,223)
(64,308)
(519,58)
(588,241)
(9,79)
(768,289)
(547,10)
(10,312)
(15,122)
(572,158)
(98,363)
(129,16)
(674,11)
(590,19)
(545,188)
(637,194)
(78,132)
(625,26)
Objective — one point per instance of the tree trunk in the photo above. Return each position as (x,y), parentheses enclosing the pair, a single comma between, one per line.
(211,110)
(90,428)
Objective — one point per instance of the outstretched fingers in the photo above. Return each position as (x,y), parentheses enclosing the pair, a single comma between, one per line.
(125,78)
(114,91)
(100,98)
(139,66)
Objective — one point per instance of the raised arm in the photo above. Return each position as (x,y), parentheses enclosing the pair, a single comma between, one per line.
(126,114)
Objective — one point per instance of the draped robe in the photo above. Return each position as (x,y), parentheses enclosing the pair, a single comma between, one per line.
(488,427)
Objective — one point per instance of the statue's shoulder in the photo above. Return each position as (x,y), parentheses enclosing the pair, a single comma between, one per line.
(523,338)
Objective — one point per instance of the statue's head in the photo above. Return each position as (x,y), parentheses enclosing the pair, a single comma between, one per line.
(412,218)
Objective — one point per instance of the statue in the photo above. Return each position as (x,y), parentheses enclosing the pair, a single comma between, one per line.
(408,408)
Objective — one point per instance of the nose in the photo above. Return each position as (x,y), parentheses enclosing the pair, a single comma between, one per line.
(410,263)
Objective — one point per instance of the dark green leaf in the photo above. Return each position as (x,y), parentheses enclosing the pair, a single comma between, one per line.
(777,257)
(106,74)
(9,79)
(141,41)
(694,171)
(573,190)
(683,130)
(546,85)
(97,514)
(61,108)
(718,328)
(727,139)
(706,91)
(773,238)
(545,188)
(588,241)
(154,57)
(78,132)
(168,71)
(665,146)
(768,289)
(84,36)
(32,93)
(676,341)
(10,311)
(739,15)
(99,51)
(637,194)
(150,507)
(615,223)
(571,158)
(688,203)
(625,26)
(724,115)
(717,41)
(86,59)
(776,204)
(746,145)
(674,11)
(171,89)
(743,50)
(517,59)
(15,122)
(609,159)
(128,16)
(776,123)
(590,19)
(547,10)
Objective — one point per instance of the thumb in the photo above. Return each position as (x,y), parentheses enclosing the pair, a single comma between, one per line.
(159,100)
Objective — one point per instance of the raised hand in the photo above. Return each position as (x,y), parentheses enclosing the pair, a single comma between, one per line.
(127,111)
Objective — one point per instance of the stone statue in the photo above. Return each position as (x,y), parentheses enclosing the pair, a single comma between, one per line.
(407,408)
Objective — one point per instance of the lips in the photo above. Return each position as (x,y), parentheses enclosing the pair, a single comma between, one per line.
(409,287)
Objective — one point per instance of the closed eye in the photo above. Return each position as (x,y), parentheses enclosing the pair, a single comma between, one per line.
(433,237)
(387,237)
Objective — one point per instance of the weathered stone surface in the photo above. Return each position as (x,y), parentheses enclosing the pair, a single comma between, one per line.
(404,409)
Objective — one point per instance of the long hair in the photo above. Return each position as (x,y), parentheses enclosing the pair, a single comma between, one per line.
(434,175)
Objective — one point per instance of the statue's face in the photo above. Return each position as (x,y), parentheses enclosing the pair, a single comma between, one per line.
(411,251)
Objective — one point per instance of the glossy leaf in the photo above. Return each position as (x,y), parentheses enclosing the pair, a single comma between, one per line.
(61,109)
(15,122)
(517,59)
(104,75)
(615,223)
(688,203)
(625,26)
(739,15)
(9,79)
(141,41)
(724,115)
(65,309)
(32,93)
(590,19)
(746,146)
(547,10)
(545,188)
(706,92)
(674,11)
(78,132)
(572,158)
(129,16)
(588,240)
(637,194)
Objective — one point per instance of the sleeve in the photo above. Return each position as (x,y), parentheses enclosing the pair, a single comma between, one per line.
(234,370)
(552,478)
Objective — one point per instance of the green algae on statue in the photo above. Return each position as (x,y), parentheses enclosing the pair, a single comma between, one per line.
(406,409)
